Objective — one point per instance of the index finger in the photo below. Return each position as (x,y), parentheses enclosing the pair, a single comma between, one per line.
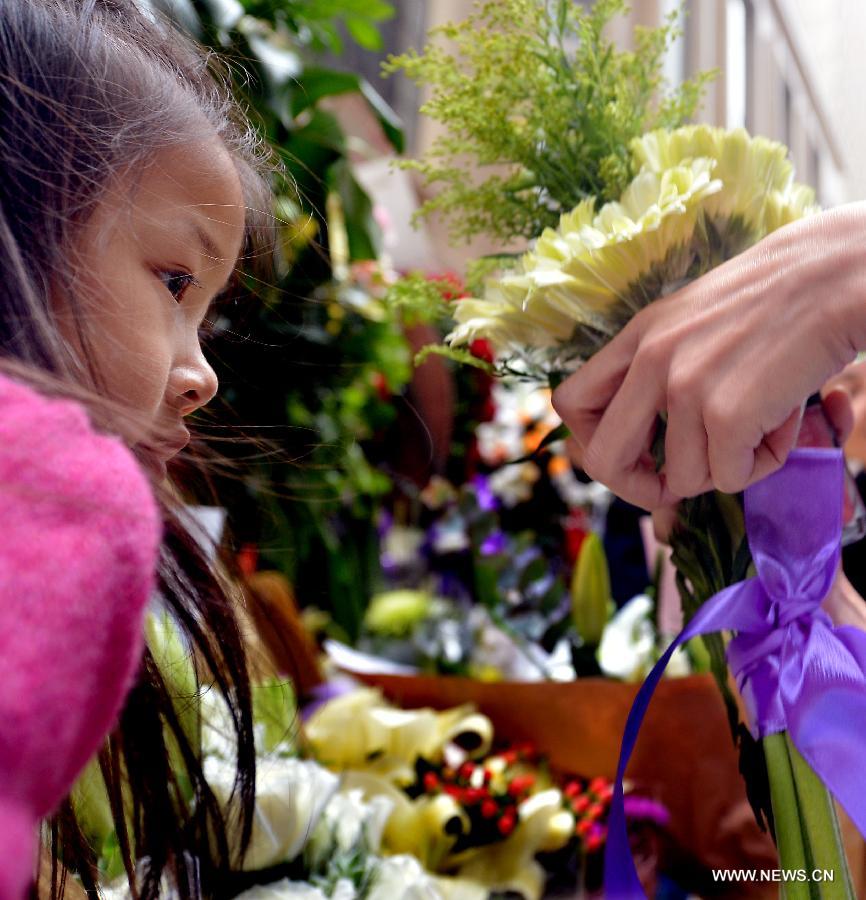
(581,400)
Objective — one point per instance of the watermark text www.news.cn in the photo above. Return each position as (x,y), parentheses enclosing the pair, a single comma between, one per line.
(774,875)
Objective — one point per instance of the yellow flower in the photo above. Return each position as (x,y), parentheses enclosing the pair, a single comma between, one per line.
(701,196)
(756,174)
(584,272)
(395,613)
(784,207)
(510,865)
(387,740)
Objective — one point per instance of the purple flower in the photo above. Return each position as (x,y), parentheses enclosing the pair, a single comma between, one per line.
(325,692)
(495,542)
(385,523)
(487,501)
(642,809)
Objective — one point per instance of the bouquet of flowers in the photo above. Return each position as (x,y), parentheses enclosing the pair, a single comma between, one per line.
(366,801)
(592,159)
(493,817)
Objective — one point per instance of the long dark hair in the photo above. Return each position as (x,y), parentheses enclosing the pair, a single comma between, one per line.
(90,90)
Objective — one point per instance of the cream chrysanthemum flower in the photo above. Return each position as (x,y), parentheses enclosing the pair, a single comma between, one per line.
(701,196)
(582,275)
(756,174)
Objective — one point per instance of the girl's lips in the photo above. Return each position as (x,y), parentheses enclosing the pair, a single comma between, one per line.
(164,450)
(175,445)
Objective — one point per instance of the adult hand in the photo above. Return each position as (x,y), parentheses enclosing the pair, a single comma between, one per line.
(836,403)
(730,360)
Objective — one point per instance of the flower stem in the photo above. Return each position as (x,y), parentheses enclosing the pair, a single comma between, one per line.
(821,829)
(790,839)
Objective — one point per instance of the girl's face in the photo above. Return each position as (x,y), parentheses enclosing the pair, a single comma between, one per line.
(150,269)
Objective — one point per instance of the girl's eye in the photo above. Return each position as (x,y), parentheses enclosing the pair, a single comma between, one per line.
(177,282)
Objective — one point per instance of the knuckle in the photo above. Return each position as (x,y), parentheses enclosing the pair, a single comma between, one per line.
(685,387)
(653,353)
(720,415)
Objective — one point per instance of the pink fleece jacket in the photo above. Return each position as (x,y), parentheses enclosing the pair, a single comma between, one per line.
(79,533)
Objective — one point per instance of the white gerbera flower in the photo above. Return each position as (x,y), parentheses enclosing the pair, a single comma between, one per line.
(583,272)
(701,196)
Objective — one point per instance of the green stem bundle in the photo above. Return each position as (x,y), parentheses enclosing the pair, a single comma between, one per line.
(710,551)
(807,828)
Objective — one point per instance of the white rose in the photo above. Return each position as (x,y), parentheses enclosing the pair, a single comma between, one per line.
(290,797)
(402,878)
(627,643)
(283,890)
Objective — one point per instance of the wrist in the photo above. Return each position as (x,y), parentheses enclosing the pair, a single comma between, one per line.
(836,275)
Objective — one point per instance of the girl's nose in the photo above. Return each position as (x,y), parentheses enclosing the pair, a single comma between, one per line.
(196,386)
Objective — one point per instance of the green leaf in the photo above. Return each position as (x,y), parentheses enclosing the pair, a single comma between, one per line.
(323,131)
(361,229)
(274,708)
(562,16)
(388,119)
(314,83)
(364,33)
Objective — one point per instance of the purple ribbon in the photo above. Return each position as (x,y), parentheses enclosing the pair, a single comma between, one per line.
(795,670)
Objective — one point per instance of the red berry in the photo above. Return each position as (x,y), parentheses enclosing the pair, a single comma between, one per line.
(581,804)
(380,385)
(465,771)
(248,559)
(481,349)
(583,827)
(473,795)
(594,842)
(597,785)
(572,789)
(510,757)
(521,784)
(431,781)
(596,811)
(489,808)
(507,823)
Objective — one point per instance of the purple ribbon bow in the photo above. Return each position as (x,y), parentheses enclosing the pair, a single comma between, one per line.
(796,671)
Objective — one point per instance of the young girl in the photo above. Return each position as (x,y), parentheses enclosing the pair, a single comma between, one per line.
(127,185)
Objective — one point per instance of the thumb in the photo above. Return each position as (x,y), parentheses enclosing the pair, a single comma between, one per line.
(838,409)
